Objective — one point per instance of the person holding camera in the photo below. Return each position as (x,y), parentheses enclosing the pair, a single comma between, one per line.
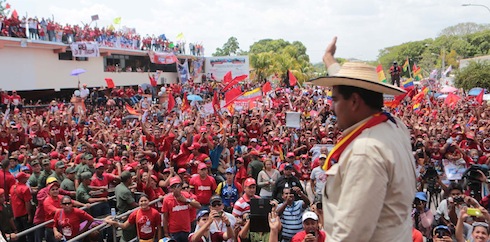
(205,219)
(449,208)
(290,212)
(480,231)
(422,215)
(311,231)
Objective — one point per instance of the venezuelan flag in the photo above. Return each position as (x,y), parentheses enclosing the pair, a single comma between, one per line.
(416,107)
(408,84)
(381,73)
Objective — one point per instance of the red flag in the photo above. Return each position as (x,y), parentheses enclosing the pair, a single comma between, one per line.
(185,103)
(227,78)
(266,87)
(215,102)
(479,98)
(234,82)
(233,94)
(153,82)
(14,14)
(452,99)
(292,79)
(171,102)
(7,6)
(110,82)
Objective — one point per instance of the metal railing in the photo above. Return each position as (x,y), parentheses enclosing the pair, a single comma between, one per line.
(41,225)
(105,225)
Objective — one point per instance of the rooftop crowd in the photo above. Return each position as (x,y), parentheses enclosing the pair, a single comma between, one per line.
(126,38)
(207,168)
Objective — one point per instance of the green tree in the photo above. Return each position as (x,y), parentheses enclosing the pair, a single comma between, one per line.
(3,10)
(476,74)
(274,57)
(231,47)
(462,29)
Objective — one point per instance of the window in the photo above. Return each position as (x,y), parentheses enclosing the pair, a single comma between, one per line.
(81,58)
(65,56)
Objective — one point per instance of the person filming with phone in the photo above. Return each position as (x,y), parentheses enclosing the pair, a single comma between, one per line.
(478,218)
(311,231)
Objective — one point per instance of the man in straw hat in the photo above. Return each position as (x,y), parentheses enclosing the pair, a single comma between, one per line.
(370,171)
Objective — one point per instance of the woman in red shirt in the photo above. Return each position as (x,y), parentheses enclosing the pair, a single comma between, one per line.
(51,204)
(147,220)
(68,219)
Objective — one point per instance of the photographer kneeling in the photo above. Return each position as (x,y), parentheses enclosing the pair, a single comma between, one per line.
(449,208)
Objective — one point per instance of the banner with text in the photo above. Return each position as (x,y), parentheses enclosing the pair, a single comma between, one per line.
(85,49)
(163,58)
(219,66)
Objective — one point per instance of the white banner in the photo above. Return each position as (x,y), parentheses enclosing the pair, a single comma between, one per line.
(85,49)
(218,66)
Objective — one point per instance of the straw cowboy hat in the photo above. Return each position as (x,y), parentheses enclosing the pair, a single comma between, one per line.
(358,75)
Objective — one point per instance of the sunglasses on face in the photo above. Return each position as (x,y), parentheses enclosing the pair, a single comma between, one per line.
(185,187)
(67,203)
(216,204)
(176,186)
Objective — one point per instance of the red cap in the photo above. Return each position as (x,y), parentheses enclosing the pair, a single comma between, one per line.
(54,155)
(154,177)
(250,181)
(254,152)
(186,122)
(22,147)
(166,170)
(202,166)
(21,157)
(181,170)
(290,154)
(195,146)
(128,168)
(99,165)
(469,135)
(203,129)
(103,160)
(22,175)
(276,139)
(174,180)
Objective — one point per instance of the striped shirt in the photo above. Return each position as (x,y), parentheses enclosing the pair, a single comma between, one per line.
(291,219)
(242,205)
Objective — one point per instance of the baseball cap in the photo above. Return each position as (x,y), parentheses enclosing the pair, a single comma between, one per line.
(166,170)
(181,170)
(50,180)
(34,162)
(195,146)
(174,180)
(99,165)
(202,166)
(46,162)
(70,170)
(86,175)
(202,213)
(215,198)
(249,181)
(323,156)
(288,166)
(309,215)
(229,170)
(290,154)
(253,140)
(59,164)
(421,196)
(22,175)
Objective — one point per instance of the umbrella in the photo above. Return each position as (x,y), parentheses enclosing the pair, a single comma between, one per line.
(475,91)
(442,96)
(194,98)
(77,72)
(448,89)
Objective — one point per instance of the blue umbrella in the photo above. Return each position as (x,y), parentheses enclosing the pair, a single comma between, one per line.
(194,98)
(77,72)
(475,91)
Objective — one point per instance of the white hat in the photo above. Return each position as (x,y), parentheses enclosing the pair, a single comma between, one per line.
(323,156)
(309,215)
(253,140)
(358,75)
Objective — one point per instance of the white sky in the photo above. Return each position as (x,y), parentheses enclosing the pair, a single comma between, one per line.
(363,26)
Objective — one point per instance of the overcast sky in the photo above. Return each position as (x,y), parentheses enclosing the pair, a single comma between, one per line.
(362,26)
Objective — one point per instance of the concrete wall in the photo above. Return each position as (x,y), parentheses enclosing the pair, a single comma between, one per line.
(34,69)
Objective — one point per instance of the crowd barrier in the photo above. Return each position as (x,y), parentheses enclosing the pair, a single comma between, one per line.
(105,225)
(34,228)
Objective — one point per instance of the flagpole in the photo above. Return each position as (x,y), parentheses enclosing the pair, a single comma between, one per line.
(408,67)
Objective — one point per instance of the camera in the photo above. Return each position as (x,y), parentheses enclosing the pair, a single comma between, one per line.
(312,233)
(319,206)
(458,199)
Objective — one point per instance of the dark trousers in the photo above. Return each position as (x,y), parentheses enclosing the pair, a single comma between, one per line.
(22,224)
(49,233)
(39,235)
(395,80)
(180,236)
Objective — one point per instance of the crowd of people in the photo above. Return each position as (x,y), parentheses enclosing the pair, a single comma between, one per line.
(126,38)
(170,170)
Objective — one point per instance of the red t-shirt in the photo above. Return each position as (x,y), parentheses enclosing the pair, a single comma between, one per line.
(102,182)
(203,189)
(9,181)
(19,195)
(69,223)
(299,237)
(147,222)
(178,213)
(201,158)
(50,207)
